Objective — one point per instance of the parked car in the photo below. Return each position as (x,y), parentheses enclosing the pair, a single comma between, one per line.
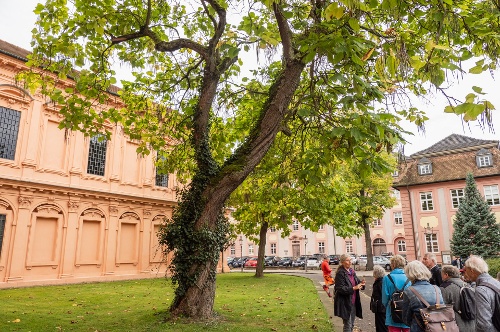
(230,261)
(334,260)
(382,261)
(378,260)
(299,262)
(251,262)
(271,260)
(285,261)
(362,259)
(239,261)
(313,263)
(354,259)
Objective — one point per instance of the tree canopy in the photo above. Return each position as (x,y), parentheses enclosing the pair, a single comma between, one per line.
(322,64)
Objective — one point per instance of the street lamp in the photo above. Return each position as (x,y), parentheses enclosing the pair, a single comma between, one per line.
(241,252)
(305,253)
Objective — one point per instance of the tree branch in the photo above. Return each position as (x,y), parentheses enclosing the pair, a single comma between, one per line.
(285,32)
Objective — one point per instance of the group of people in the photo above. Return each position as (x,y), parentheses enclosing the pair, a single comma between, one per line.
(417,281)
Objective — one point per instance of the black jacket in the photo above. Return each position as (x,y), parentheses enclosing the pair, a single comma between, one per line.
(376,304)
(343,295)
(436,278)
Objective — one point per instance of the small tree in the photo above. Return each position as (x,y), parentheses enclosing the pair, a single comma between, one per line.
(476,231)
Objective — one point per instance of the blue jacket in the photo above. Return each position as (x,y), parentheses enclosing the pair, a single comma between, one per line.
(399,278)
(412,305)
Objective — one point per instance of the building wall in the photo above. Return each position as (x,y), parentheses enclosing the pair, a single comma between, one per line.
(294,245)
(440,219)
(62,224)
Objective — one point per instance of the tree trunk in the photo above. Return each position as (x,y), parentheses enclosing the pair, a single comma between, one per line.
(259,271)
(368,244)
(198,302)
(197,230)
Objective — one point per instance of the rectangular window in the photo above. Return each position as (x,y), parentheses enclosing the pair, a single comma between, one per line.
(97,155)
(273,248)
(250,249)
(431,242)
(426,201)
(348,247)
(457,196)
(3,218)
(272,229)
(425,169)
(484,161)
(9,128)
(377,222)
(295,225)
(161,178)
(321,247)
(491,195)
(398,218)
(401,245)
(395,173)
(321,227)
(233,251)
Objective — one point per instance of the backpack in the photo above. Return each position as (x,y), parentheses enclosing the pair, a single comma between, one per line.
(496,316)
(396,302)
(437,317)
(467,303)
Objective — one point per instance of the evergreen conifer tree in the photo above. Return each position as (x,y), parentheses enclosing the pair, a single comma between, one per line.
(476,231)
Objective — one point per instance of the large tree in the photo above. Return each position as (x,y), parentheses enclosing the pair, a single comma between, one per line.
(373,192)
(476,230)
(186,58)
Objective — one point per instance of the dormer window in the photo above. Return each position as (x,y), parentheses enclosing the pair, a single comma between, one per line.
(424,166)
(484,158)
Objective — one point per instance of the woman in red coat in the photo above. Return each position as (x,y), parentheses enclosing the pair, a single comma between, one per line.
(327,275)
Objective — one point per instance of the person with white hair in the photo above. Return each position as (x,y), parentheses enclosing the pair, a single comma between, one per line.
(450,288)
(376,304)
(476,270)
(419,276)
(396,279)
(430,261)
(347,300)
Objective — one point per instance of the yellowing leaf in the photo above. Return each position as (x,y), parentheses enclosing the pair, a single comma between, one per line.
(368,54)
(17,320)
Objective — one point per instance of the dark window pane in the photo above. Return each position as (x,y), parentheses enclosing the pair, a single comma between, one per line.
(97,156)
(9,127)
(2,227)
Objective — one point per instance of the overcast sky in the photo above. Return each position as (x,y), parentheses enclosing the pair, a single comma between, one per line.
(17,20)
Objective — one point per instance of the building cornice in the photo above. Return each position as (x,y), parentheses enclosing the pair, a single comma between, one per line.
(38,187)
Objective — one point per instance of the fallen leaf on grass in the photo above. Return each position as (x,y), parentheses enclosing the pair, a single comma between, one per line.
(17,320)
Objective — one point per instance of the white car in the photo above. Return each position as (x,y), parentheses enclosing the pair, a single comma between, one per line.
(378,260)
(313,263)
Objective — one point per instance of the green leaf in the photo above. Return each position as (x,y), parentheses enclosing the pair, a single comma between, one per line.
(354,23)
(470,98)
(478,90)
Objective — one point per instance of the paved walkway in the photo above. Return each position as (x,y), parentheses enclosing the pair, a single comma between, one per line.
(367,324)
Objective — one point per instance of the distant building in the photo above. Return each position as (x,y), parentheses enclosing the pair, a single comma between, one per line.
(72,208)
(432,182)
(387,234)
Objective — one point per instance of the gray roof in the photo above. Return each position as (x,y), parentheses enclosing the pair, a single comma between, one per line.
(454,142)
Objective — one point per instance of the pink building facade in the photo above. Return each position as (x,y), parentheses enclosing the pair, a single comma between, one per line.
(387,235)
(72,208)
(431,184)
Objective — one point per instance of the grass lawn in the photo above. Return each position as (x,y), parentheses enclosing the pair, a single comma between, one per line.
(243,303)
